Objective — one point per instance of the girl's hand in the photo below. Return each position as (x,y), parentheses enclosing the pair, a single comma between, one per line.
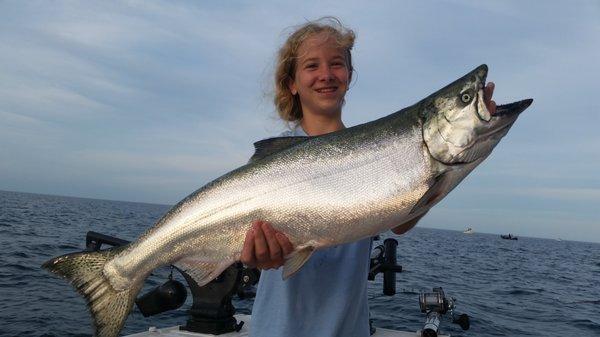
(264,247)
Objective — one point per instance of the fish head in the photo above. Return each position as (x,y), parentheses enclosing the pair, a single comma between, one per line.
(457,125)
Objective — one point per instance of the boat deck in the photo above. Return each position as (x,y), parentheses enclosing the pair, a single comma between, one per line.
(245,331)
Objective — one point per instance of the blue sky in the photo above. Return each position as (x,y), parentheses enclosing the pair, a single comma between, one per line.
(148,101)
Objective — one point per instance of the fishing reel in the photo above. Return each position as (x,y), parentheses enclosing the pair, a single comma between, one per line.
(168,296)
(435,304)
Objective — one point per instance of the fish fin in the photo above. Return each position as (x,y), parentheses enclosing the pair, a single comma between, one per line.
(202,272)
(295,261)
(440,188)
(84,270)
(269,146)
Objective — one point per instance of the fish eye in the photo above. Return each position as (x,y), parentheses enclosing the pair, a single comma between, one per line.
(465,98)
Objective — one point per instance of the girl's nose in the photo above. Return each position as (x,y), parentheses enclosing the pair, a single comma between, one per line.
(325,74)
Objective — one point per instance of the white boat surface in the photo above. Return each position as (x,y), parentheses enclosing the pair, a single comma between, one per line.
(468,231)
(245,331)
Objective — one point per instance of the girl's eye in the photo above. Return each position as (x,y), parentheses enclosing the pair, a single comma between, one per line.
(311,66)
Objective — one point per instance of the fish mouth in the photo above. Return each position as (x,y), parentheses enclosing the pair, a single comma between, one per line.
(505,116)
(512,109)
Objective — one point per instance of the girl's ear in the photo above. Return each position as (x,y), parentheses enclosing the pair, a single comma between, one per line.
(349,65)
(350,72)
(292,87)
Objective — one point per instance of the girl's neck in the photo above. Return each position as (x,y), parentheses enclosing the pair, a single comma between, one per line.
(319,125)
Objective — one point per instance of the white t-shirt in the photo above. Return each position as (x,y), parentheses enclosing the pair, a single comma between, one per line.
(327,297)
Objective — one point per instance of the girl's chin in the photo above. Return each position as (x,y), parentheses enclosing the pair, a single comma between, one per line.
(333,111)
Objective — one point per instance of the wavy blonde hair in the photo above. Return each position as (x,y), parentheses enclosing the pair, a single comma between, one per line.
(288,106)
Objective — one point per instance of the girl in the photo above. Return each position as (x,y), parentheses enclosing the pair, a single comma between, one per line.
(328,295)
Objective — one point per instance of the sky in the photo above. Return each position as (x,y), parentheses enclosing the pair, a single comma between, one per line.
(149,100)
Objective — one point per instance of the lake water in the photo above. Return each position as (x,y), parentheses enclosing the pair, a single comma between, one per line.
(529,287)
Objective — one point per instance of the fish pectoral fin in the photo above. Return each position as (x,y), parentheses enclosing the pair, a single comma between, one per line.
(295,261)
(440,187)
(267,147)
(202,272)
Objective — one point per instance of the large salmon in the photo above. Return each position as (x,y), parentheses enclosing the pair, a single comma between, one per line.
(319,191)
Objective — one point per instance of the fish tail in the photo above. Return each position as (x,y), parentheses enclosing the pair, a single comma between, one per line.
(109,308)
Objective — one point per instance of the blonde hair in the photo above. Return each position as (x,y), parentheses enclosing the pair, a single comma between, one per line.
(288,106)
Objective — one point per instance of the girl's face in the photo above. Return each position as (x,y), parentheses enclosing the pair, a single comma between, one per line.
(322,76)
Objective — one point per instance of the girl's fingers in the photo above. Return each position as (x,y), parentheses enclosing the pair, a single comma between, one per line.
(492,107)
(284,242)
(264,247)
(261,250)
(489,91)
(274,248)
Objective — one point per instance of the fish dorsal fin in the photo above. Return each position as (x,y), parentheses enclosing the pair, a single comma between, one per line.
(296,260)
(269,146)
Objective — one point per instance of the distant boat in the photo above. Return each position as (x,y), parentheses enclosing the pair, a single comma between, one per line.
(468,231)
(509,237)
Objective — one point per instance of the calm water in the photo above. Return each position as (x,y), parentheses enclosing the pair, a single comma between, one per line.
(529,287)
